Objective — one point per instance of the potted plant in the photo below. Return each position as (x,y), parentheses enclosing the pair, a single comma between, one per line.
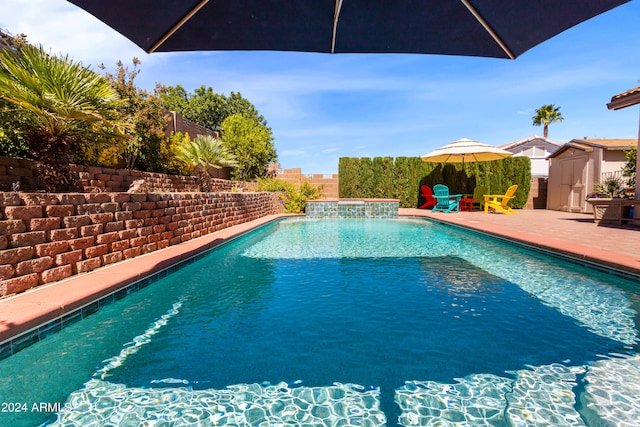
(605,199)
(612,187)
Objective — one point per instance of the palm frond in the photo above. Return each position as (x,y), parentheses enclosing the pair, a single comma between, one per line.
(205,151)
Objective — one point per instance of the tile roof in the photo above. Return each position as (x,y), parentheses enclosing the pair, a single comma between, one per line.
(590,144)
(625,99)
(607,143)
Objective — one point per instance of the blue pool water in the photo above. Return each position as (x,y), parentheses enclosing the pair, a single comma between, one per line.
(346,322)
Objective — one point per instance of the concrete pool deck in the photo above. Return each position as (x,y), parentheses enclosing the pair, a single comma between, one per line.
(571,234)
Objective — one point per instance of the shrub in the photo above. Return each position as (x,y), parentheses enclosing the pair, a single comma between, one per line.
(629,169)
(294,200)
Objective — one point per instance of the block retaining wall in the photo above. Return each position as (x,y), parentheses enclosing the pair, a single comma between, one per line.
(93,179)
(98,179)
(49,237)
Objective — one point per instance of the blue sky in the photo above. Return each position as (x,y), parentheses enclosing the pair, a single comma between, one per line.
(322,107)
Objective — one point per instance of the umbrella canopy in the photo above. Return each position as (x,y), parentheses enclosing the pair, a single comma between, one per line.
(465,150)
(491,28)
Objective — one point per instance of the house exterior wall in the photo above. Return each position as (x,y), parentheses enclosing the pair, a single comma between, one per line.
(613,160)
(538,153)
(537,149)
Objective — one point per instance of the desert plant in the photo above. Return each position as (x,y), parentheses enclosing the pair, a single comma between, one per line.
(62,106)
(609,187)
(546,115)
(204,152)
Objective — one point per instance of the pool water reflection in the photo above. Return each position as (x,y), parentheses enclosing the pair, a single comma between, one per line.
(350,322)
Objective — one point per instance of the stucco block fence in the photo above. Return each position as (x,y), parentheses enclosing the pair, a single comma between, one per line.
(46,237)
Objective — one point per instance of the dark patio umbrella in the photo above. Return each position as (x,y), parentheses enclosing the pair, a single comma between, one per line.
(491,28)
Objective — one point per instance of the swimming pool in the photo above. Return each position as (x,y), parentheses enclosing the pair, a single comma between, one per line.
(346,322)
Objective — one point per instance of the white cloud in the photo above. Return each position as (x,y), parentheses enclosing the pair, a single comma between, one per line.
(377,105)
(66,29)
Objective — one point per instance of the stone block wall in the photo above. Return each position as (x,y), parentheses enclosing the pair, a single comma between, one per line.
(17,171)
(49,237)
(92,179)
(537,198)
(98,179)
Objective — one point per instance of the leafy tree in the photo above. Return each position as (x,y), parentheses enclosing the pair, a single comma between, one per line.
(408,173)
(145,117)
(236,104)
(174,98)
(164,159)
(383,175)
(207,108)
(367,178)
(629,168)
(204,152)
(62,106)
(244,130)
(12,142)
(250,142)
(546,115)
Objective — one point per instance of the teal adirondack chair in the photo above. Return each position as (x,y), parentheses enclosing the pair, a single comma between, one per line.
(445,202)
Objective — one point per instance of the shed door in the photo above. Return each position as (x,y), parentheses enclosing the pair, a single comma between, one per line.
(572,186)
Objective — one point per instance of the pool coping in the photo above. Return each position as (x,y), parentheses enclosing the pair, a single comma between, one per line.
(48,308)
(28,311)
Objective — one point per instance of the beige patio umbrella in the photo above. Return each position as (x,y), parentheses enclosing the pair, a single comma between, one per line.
(464,151)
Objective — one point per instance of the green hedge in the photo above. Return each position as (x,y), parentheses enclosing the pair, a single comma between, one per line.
(401,178)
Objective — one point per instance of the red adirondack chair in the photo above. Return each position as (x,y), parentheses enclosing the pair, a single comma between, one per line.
(427,193)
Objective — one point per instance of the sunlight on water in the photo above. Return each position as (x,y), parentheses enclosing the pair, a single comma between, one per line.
(599,307)
(442,301)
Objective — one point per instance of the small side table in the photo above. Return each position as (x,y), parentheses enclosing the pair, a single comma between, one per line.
(466,204)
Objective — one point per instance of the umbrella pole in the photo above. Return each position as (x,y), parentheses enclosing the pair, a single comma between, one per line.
(464,177)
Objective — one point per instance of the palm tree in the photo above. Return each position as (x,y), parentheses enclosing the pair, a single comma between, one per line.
(61,105)
(546,115)
(204,152)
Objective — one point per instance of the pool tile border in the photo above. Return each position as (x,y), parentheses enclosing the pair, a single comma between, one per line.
(26,339)
(353,208)
(51,318)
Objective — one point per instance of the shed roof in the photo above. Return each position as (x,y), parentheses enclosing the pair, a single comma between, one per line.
(625,99)
(591,144)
